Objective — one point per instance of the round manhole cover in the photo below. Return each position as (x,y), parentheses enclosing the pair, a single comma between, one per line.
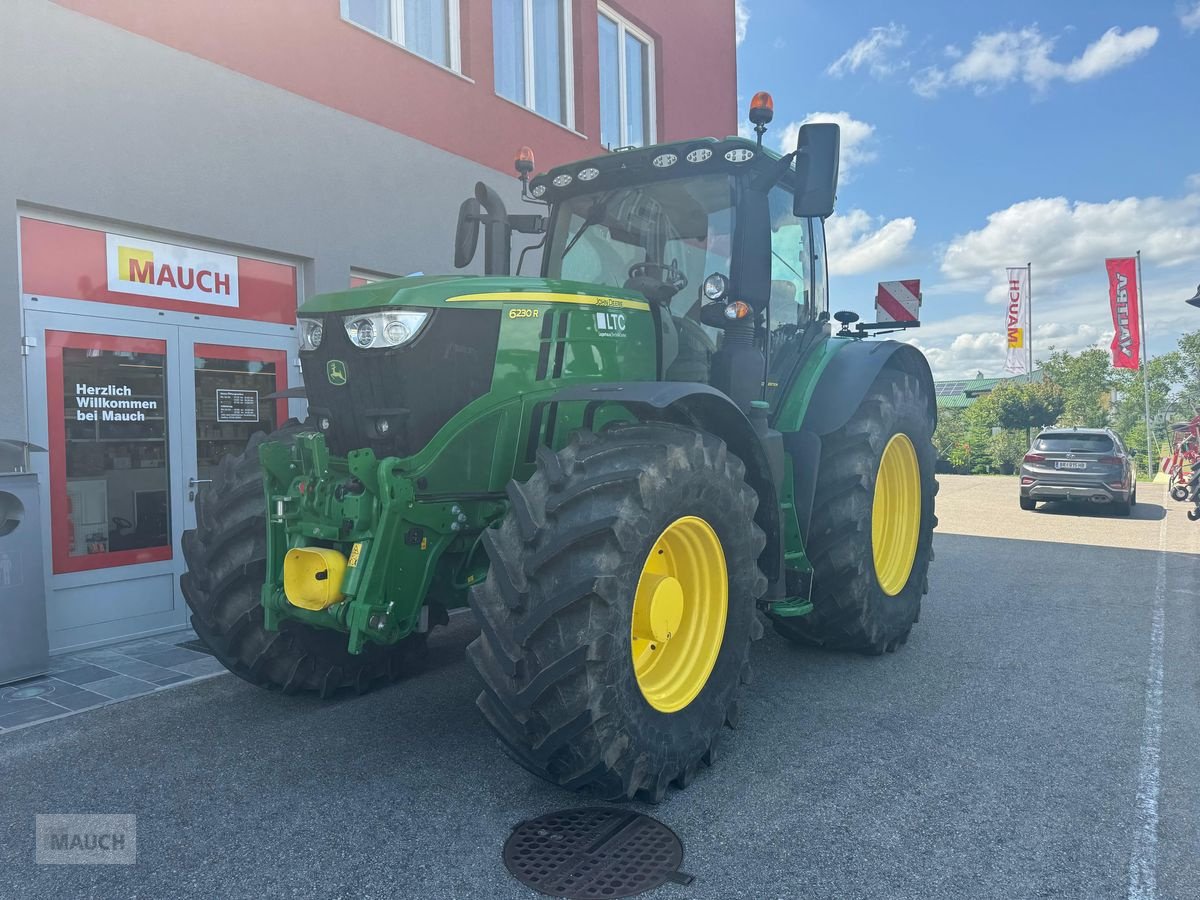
(26,693)
(594,853)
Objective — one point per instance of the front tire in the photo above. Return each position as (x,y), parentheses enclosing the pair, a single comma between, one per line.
(871,538)
(226,559)
(588,570)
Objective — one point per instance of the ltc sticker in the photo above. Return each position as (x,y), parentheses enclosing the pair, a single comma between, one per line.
(610,324)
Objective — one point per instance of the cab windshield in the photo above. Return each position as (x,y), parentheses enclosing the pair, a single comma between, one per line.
(684,226)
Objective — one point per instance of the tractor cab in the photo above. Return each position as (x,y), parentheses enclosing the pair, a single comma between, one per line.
(724,238)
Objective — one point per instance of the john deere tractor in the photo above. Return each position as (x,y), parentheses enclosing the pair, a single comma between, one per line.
(622,465)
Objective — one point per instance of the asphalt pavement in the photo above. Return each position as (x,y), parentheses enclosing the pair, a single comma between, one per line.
(1039,736)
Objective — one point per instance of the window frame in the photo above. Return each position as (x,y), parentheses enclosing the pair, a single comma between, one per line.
(396,36)
(529,103)
(625,27)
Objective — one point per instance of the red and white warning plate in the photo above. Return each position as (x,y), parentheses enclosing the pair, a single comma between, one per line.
(898,301)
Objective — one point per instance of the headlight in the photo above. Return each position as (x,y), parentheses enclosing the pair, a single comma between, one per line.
(716,286)
(384,329)
(311,332)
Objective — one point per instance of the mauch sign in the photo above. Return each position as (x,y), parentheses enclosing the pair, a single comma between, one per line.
(151,269)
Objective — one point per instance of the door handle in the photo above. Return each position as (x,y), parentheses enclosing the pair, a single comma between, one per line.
(192,482)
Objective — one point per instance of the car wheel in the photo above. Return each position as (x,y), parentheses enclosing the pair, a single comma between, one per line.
(1028,504)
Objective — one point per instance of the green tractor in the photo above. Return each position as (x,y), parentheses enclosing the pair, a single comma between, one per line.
(620,466)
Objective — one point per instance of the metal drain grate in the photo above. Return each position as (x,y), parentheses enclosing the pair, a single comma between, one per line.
(594,853)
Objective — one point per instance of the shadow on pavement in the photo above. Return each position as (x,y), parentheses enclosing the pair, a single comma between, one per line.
(1147,512)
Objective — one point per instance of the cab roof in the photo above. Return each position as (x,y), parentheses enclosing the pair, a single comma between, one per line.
(632,165)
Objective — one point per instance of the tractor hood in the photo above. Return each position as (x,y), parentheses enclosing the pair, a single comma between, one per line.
(454,290)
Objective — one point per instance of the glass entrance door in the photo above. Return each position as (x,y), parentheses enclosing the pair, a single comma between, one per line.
(137,418)
(232,384)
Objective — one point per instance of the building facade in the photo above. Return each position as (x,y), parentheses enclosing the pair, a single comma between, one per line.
(176,177)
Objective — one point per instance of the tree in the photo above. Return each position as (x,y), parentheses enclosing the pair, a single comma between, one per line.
(1018,406)
(1188,401)
(1085,380)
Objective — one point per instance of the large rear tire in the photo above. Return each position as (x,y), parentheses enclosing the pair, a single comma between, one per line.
(623,545)
(871,538)
(226,568)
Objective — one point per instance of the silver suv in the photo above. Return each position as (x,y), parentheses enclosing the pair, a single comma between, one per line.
(1084,464)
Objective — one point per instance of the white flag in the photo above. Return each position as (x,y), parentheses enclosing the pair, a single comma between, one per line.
(1016,314)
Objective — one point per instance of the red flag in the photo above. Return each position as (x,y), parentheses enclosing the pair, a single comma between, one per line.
(1123,298)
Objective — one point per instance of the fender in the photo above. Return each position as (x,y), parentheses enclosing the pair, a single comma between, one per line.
(700,406)
(850,374)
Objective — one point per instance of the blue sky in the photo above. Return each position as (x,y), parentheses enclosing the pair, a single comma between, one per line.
(977,136)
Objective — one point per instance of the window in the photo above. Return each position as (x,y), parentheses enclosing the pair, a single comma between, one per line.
(684,221)
(532,47)
(1068,441)
(626,83)
(791,262)
(428,28)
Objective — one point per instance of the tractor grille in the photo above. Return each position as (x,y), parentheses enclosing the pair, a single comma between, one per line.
(416,388)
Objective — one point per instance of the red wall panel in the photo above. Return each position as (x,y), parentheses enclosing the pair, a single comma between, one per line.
(304,46)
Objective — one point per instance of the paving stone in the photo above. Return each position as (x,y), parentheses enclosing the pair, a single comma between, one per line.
(206,665)
(78,700)
(170,658)
(121,686)
(139,668)
(26,711)
(84,674)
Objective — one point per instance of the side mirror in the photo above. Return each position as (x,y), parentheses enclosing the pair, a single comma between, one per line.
(817,152)
(466,236)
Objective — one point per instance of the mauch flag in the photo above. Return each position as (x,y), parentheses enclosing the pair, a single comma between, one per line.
(1123,298)
(1015,316)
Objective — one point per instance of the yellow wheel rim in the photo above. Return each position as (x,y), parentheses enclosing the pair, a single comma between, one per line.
(679,612)
(896,514)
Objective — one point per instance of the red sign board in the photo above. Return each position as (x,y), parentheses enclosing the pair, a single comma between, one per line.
(78,263)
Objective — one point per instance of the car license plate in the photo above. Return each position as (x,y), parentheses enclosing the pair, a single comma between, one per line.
(1070,465)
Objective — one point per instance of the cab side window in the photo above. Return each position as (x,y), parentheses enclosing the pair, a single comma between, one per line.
(820,272)
(791,270)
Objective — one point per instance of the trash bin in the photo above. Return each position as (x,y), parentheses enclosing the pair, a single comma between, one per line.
(24,648)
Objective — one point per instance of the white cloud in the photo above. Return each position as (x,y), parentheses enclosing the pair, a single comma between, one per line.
(741,18)
(1065,238)
(859,242)
(857,138)
(1112,51)
(1190,19)
(1003,57)
(872,53)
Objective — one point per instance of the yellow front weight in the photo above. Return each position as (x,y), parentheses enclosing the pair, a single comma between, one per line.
(312,577)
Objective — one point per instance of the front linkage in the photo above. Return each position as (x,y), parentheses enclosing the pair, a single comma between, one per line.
(351,548)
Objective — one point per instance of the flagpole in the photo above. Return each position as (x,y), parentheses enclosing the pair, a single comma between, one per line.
(1029,318)
(1145,365)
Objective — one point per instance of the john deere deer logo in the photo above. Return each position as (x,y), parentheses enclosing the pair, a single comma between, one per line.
(335,371)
